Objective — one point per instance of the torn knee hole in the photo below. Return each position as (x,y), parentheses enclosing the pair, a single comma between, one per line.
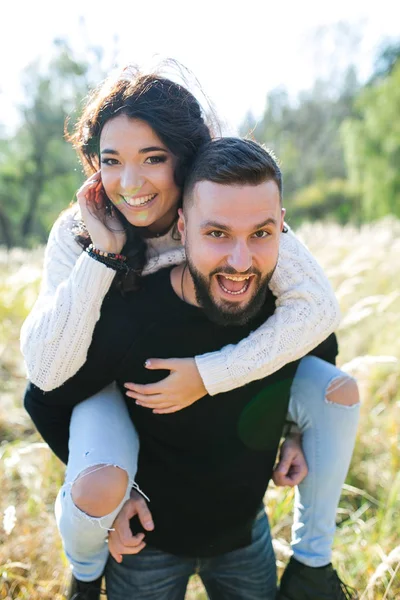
(100,489)
(343,390)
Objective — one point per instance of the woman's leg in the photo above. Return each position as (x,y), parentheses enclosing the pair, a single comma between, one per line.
(103,451)
(325,406)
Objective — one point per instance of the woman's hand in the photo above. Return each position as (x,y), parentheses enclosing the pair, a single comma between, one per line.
(292,467)
(179,390)
(120,539)
(92,201)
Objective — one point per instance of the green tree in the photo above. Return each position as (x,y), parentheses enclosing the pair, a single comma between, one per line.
(326,200)
(39,172)
(386,61)
(304,134)
(304,131)
(372,146)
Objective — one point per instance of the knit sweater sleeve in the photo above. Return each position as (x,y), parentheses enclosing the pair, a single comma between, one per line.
(306,313)
(57,333)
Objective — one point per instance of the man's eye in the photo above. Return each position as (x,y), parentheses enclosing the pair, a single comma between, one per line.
(155,160)
(217,234)
(261,234)
(109,161)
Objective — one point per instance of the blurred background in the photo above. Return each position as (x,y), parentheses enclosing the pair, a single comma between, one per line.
(320,86)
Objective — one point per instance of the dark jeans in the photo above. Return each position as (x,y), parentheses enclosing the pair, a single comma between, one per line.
(245,574)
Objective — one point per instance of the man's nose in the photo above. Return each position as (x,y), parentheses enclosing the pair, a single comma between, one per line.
(240,257)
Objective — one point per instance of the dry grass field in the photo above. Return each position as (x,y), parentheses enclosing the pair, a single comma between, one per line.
(364,268)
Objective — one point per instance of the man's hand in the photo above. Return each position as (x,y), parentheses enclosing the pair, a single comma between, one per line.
(292,467)
(121,540)
(180,389)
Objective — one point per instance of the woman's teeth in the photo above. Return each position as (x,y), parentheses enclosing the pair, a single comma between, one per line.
(139,201)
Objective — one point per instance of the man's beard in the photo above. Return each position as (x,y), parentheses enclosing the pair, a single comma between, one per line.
(228,313)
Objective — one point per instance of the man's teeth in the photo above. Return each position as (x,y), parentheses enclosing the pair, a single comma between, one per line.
(244,289)
(139,201)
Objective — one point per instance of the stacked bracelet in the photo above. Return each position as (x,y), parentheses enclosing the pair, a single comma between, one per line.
(113,261)
(111,255)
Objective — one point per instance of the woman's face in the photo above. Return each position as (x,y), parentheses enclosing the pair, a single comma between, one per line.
(137,171)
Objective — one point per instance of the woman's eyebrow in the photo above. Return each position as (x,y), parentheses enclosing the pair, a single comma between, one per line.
(141,151)
(152,149)
(109,151)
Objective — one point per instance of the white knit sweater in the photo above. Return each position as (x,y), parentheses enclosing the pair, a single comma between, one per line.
(56,335)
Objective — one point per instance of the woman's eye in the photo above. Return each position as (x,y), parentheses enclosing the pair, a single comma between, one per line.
(109,161)
(217,234)
(261,234)
(155,160)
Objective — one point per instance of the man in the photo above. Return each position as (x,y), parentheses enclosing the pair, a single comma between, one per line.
(205,468)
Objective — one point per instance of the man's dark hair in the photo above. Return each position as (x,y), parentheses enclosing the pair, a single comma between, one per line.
(233,161)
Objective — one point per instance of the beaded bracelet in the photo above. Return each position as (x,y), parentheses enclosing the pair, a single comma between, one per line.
(111,255)
(112,263)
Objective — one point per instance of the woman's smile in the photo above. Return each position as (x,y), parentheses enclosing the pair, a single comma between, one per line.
(138,201)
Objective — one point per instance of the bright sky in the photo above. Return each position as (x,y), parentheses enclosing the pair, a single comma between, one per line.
(238,51)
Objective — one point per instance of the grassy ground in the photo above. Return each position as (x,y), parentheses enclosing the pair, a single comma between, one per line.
(364,268)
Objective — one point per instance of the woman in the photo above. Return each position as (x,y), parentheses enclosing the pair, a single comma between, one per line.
(136,139)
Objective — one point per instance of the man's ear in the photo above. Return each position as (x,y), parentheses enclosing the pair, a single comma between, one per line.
(181,225)
(283,213)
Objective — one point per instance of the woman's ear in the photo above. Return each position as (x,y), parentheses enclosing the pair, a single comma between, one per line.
(181,225)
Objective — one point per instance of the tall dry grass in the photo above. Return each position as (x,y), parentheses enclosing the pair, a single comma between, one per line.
(364,268)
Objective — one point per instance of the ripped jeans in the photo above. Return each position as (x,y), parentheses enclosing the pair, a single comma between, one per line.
(102,433)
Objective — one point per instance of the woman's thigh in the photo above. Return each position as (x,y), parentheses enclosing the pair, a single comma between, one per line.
(102,433)
(315,384)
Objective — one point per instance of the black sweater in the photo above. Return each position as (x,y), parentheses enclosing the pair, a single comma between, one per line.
(205,468)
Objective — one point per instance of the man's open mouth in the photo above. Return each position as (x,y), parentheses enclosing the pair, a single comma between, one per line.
(235,285)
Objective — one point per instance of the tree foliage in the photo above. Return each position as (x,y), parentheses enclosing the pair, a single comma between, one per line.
(305,135)
(372,146)
(338,145)
(39,173)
